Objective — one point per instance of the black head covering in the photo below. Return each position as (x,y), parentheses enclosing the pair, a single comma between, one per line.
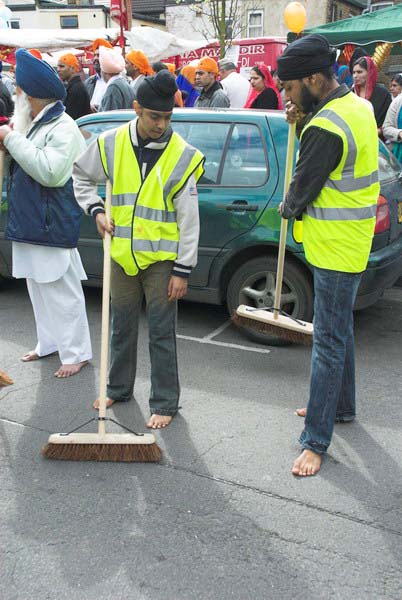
(304,57)
(157,93)
(357,53)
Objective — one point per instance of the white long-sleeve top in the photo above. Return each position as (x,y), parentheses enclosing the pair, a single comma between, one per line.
(390,126)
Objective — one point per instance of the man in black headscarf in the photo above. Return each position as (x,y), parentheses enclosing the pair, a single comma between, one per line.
(335,189)
(155,237)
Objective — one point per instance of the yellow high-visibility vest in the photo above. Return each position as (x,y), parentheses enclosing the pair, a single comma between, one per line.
(338,227)
(146,229)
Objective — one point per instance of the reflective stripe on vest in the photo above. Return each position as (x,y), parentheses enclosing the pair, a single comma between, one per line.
(145,220)
(145,245)
(348,182)
(341,214)
(338,226)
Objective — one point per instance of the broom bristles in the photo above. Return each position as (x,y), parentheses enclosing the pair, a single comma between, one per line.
(275,330)
(5,379)
(104,452)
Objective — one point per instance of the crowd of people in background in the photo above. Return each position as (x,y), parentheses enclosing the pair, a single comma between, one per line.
(207,83)
(361,75)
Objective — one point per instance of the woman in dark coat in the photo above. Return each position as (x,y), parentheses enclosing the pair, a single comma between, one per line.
(263,92)
(366,86)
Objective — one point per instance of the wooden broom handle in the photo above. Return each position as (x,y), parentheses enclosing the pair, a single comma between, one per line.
(284,222)
(105,313)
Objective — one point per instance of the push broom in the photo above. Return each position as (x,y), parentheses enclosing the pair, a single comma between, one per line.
(4,378)
(103,446)
(274,321)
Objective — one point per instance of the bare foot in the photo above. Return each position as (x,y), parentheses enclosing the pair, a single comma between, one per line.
(307,464)
(69,370)
(30,356)
(159,421)
(109,403)
(301,412)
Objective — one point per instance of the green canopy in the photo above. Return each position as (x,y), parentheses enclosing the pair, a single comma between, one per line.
(383,25)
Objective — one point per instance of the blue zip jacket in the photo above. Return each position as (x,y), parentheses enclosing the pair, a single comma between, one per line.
(47,216)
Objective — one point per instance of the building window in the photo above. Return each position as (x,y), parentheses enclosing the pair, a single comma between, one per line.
(70,22)
(377,6)
(229,29)
(255,25)
(14,23)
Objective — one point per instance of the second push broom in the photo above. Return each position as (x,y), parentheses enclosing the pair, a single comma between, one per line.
(275,321)
(103,446)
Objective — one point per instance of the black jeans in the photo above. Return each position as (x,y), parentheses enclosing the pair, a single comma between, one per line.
(127,295)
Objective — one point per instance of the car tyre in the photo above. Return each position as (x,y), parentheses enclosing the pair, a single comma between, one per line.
(254,284)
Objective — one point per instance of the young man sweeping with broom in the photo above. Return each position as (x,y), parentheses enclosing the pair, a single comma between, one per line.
(155,228)
(335,189)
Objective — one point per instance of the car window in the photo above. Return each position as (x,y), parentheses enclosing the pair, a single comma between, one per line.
(245,162)
(91,131)
(388,166)
(210,139)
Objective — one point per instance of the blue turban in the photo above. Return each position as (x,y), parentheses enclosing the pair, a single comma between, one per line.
(36,78)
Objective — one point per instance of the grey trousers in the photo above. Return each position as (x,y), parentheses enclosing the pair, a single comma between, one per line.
(127,294)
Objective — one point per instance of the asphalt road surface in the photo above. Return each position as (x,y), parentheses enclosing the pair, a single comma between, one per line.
(221,517)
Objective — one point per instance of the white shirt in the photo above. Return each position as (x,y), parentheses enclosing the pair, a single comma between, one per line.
(236,87)
(44,264)
(99,90)
(134,83)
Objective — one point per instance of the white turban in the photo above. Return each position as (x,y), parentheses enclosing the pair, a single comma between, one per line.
(110,59)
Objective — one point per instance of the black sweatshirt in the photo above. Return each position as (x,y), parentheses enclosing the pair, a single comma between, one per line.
(319,154)
(77,100)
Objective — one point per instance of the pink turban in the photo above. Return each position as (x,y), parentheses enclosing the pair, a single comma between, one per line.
(111,61)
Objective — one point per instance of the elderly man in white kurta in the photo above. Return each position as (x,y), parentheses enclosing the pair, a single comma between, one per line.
(43,217)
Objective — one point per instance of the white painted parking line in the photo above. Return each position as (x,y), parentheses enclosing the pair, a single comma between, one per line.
(218,331)
(207,340)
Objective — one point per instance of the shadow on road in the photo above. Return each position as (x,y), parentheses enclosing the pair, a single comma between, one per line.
(130,531)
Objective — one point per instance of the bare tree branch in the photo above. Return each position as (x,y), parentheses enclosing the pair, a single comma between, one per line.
(224,17)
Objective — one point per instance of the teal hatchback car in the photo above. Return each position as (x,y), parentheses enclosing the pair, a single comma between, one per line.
(238,199)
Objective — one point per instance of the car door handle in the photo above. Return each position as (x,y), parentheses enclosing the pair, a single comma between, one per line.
(240,207)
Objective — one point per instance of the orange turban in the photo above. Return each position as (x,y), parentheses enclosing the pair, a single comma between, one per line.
(188,71)
(139,60)
(100,42)
(36,53)
(171,67)
(208,64)
(71,61)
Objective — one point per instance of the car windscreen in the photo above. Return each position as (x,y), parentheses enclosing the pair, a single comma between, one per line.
(388,166)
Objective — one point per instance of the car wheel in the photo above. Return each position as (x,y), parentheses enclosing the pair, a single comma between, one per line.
(254,284)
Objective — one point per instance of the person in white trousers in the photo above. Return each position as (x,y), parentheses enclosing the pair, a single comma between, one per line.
(43,216)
